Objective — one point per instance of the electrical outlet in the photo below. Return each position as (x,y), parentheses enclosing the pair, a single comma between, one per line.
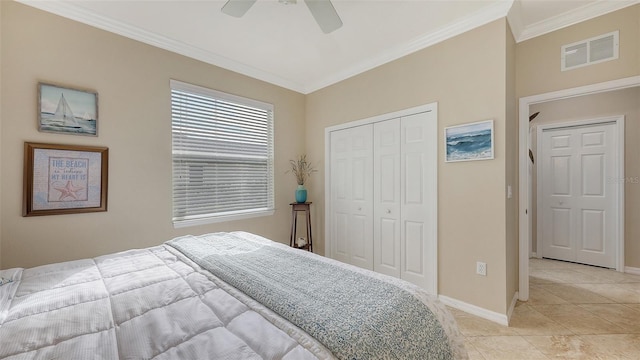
(481,268)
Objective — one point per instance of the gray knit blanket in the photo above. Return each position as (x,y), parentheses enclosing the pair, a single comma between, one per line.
(355,316)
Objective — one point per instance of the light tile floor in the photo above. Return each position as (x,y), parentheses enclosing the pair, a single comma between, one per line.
(574,312)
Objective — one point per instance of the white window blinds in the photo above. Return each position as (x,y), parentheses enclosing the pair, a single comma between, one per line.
(222,155)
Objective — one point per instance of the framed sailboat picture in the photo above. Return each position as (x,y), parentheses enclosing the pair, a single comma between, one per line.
(67,111)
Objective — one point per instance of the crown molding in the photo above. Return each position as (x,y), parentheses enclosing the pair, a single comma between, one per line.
(514,17)
(485,16)
(583,13)
(508,8)
(77,13)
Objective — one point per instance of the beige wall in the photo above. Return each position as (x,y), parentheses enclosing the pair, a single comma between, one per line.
(132,80)
(1,71)
(466,76)
(511,171)
(621,102)
(538,59)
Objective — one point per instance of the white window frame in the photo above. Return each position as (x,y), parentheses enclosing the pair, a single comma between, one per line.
(202,219)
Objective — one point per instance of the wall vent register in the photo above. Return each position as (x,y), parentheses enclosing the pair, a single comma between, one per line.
(590,51)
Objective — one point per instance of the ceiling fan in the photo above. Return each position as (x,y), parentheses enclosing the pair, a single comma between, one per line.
(322,10)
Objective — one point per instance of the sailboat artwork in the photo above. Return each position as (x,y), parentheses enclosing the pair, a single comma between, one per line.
(59,109)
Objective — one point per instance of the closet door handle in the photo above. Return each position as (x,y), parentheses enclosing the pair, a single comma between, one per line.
(388,211)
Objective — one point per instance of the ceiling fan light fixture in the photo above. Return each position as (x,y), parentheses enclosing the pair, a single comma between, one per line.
(325,15)
(237,8)
(322,10)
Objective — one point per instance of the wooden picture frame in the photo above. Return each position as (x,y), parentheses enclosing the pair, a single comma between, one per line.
(64,179)
(66,110)
(468,142)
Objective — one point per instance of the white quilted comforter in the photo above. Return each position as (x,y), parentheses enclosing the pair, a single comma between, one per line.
(140,304)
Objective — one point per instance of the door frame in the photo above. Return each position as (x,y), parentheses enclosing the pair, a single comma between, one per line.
(618,121)
(523,156)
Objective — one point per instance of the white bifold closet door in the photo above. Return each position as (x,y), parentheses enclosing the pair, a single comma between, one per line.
(383,197)
(352,196)
(402,200)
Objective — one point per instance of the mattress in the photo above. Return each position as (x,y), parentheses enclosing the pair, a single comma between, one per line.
(207,297)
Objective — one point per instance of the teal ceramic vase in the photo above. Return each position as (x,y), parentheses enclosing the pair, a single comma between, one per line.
(301,194)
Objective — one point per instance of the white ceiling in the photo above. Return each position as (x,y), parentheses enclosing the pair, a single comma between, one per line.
(283,45)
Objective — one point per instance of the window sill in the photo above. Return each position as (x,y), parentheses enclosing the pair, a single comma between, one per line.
(220,218)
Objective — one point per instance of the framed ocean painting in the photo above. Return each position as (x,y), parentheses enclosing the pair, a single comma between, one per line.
(65,110)
(473,141)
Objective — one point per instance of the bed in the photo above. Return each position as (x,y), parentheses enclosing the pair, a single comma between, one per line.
(218,296)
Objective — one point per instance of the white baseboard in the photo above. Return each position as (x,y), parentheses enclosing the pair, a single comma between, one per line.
(534,255)
(632,270)
(501,319)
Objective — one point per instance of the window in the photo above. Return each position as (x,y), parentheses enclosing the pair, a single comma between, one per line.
(222,156)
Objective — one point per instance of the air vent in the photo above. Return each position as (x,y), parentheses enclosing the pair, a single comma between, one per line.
(591,51)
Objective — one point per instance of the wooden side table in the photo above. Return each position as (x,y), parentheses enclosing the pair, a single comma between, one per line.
(295,208)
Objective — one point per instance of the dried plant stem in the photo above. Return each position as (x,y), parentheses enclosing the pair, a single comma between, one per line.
(302,169)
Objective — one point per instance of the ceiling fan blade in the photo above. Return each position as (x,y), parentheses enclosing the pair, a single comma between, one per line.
(237,8)
(325,15)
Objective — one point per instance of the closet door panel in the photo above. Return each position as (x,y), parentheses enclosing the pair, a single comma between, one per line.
(352,196)
(413,239)
(413,181)
(388,187)
(359,187)
(359,240)
(387,254)
(362,196)
(341,231)
(342,179)
(386,214)
(418,233)
(340,195)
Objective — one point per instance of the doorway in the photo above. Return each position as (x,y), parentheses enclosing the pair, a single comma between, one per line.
(524,182)
(577,202)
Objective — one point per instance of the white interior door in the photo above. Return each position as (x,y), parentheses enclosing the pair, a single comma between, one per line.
(352,195)
(579,195)
(386,199)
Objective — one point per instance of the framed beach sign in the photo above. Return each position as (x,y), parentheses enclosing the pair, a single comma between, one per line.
(67,111)
(64,179)
(473,141)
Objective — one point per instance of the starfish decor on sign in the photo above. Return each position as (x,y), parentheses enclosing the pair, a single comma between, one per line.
(68,190)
